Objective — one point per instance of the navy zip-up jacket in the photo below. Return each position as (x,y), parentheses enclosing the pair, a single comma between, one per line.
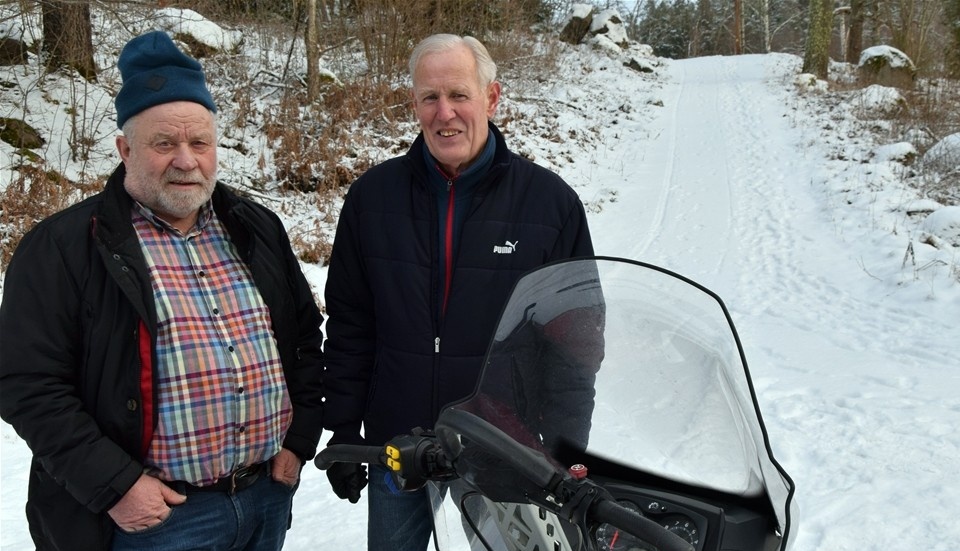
(77,339)
(391,361)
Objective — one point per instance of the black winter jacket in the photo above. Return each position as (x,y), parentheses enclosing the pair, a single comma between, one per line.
(76,354)
(390,362)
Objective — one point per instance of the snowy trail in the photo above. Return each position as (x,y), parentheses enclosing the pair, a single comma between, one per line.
(694,218)
(732,207)
(721,193)
(728,201)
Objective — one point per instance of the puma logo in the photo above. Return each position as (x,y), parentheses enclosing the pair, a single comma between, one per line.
(508,248)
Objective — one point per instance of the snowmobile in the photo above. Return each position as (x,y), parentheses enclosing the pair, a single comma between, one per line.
(615,411)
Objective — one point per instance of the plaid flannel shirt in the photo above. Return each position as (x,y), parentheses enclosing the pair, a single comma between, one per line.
(220,392)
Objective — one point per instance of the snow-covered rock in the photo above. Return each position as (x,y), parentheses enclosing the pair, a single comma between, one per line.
(945,224)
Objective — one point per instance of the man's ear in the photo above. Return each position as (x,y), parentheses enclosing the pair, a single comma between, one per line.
(493,98)
(123,147)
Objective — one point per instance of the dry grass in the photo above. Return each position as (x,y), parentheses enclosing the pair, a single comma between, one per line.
(323,147)
(930,112)
(32,196)
(933,113)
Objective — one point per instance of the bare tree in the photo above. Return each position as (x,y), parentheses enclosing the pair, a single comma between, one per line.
(765,24)
(737,27)
(312,43)
(67,38)
(952,51)
(911,24)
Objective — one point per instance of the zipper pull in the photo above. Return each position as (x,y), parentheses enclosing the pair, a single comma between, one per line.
(436,345)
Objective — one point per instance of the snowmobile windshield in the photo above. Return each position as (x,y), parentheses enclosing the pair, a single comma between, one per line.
(634,365)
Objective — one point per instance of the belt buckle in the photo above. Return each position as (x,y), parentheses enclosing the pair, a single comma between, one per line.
(239,475)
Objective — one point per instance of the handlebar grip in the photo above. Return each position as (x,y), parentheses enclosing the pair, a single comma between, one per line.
(348,453)
(611,512)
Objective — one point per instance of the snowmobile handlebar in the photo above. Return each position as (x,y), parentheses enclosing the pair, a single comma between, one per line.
(418,457)
(348,453)
(413,459)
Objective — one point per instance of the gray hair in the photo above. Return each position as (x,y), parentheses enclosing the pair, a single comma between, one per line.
(439,43)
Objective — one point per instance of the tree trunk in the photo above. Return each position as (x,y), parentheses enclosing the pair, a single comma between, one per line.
(765,21)
(855,35)
(312,43)
(67,39)
(952,54)
(816,56)
(737,27)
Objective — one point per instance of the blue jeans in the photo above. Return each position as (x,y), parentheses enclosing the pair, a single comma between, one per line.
(253,519)
(396,522)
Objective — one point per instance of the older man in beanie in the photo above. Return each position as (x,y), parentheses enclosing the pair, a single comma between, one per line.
(160,349)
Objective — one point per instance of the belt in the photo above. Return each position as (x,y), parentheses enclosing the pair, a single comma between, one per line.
(238,480)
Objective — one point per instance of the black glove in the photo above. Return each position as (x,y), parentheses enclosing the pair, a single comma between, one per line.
(347,479)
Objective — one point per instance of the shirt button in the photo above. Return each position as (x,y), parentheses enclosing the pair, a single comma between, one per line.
(240,390)
(131,405)
(216,311)
(241,429)
(201,273)
(230,348)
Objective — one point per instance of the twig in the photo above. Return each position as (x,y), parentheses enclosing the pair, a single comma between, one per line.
(865,270)
(293,42)
(908,255)
(547,100)
(250,191)
(344,42)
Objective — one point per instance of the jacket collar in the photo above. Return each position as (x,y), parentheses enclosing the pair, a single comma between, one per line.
(501,155)
(469,177)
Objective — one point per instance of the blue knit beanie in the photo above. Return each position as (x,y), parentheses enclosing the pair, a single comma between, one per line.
(155,71)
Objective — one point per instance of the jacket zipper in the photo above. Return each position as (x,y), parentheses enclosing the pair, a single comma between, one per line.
(448,259)
(448,248)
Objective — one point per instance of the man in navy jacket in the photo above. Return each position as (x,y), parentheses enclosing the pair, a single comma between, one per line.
(427,248)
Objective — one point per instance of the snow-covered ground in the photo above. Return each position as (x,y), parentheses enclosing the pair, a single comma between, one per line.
(724,170)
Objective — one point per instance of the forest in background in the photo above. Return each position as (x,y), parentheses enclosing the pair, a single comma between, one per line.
(928,31)
(339,93)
